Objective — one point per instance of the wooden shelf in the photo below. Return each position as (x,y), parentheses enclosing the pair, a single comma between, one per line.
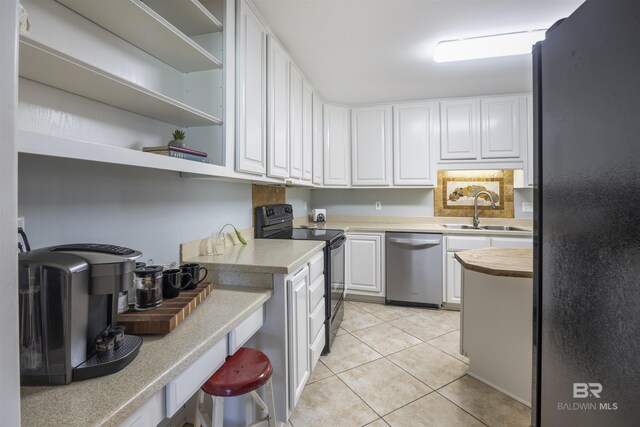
(188,16)
(45,65)
(141,26)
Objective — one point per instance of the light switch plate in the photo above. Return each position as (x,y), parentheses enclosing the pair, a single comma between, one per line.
(527,206)
(378,206)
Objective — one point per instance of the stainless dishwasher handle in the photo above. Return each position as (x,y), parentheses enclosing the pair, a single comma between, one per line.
(414,242)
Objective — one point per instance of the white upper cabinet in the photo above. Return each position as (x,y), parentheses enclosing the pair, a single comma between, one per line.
(528,165)
(337,165)
(317,141)
(307,131)
(295,122)
(371,145)
(460,128)
(500,127)
(415,143)
(252,92)
(277,110)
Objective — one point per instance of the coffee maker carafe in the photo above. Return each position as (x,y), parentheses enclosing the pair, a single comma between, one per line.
(68,312)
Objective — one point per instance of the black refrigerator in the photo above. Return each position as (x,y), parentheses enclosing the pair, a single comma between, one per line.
(587,218)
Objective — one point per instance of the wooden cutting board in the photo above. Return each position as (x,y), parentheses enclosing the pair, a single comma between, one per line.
(165,318)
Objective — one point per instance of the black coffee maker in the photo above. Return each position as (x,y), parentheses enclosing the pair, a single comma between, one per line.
(68,312)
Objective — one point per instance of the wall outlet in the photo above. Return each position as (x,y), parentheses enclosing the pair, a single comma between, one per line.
(378,206)
(21,223)
(527,206)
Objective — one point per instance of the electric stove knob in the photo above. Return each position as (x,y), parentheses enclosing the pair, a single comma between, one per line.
(270,212)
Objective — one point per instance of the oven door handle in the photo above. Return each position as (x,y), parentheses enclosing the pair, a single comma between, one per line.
(338,243)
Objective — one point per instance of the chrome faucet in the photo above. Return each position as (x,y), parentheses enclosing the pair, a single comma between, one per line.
(476,220)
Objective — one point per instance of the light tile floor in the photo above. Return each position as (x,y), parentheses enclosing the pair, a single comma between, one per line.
(400,367)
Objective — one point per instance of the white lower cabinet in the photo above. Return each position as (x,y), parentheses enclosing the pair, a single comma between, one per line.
(512,242)
(150,414)
(364,259)
(298,325)
(452,281)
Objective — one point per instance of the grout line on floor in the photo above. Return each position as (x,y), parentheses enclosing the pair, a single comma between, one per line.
(445,397)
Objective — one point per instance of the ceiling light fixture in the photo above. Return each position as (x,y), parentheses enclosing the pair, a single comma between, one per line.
(487,46)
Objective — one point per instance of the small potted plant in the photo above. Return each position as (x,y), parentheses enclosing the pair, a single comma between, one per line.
(178,139)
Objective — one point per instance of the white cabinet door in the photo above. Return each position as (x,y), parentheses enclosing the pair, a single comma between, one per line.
(415,143)
(295,122)
(453,291)
(318,154)
(336,145)
(460,129)
(500,127)
(512,242)
(298,321)
(371,145)
(252,92)
(277,110)
(307,131)
(364,260)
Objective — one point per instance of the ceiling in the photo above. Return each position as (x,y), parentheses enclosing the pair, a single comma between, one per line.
(365,51)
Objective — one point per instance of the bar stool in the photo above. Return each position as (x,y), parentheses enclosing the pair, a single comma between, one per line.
(244,372)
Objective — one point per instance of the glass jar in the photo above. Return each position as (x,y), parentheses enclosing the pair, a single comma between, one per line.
(148,284)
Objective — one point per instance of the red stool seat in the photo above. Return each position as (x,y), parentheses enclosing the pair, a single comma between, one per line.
(247,370)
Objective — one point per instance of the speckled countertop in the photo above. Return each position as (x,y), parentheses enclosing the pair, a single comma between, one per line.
(273,256)
(506,262)
(421,225)
(107,401)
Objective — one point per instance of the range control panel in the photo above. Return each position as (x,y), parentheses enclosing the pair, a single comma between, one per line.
(273,214)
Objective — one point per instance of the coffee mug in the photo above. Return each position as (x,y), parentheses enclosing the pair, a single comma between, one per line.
(172,282)
(193,270)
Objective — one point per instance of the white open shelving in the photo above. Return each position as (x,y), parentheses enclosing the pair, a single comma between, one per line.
(45,65)
(188,16)
(140,25)
(47,145)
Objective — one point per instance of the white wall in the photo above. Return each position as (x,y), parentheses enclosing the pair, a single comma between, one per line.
(300,199)
(395,202)
(67,201)
(9,363)
(522,195)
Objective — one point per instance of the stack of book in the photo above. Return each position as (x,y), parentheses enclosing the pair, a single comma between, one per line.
(179,153)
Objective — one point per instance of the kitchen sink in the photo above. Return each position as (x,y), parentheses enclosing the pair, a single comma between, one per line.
(461,227)
(484,227)
(502,228)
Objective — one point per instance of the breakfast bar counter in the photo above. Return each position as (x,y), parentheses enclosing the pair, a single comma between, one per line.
(111,400)
(505,262)
(496,319)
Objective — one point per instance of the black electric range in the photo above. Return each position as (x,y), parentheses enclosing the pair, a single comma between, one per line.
(276,222)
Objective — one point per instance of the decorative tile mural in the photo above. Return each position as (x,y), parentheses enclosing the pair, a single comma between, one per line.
(457,189)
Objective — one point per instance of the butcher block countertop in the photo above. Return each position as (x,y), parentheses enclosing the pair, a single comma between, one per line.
(109,400)
(506,262)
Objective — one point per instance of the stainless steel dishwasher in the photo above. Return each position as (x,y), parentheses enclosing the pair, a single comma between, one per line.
(414,269)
